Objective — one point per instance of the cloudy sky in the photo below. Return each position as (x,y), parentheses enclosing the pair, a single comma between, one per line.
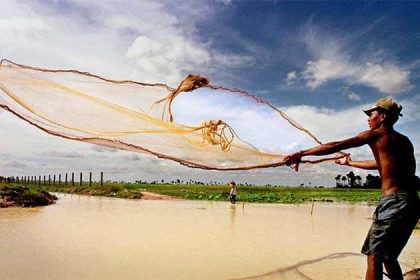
(322,62)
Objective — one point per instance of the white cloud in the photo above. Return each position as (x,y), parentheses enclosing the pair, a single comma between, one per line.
(319,72)
(226,2)
(327,124)
(22,25)
(131,156)
(62,154)
(231,60)
(333,61)
(291,77)
(103,149)
(354,96)
(143,40)
(166,58)
(386,78)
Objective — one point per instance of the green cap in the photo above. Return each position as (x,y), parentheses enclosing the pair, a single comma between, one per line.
(387,104)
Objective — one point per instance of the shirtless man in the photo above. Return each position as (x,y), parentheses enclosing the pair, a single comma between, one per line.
(399,208)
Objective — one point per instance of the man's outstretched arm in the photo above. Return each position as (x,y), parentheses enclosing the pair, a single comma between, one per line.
(365,164)
(330,148)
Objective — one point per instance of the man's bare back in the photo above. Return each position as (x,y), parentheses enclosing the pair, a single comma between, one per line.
(394,155)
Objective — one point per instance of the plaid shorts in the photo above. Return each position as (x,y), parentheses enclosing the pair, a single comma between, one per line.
(393,222)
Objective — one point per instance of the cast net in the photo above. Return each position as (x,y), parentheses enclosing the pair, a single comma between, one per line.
(196,124)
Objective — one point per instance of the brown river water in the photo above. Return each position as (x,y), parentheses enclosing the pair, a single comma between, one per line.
(84,237)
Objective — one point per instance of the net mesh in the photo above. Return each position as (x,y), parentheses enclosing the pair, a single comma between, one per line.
(188,124)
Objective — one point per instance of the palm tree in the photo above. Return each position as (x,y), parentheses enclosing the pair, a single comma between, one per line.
(373,182)
(359,181)
(337,181)
(344,179)
(352,179)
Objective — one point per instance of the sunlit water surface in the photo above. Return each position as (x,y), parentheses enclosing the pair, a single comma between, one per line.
(84,237)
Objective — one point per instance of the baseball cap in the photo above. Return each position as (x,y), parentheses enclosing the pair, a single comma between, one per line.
(387,104)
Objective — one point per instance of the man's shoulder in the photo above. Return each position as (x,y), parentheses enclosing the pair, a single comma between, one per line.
(399,135)
(371,133)
(389,131)
(393,136)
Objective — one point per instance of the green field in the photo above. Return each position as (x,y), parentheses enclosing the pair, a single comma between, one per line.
(274,194)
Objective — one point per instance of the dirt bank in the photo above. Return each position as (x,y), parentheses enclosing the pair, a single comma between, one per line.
(22,196)
(155,196)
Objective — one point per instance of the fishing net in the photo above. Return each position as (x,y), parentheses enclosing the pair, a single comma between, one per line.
(320,268)
(339,265)
(196,124)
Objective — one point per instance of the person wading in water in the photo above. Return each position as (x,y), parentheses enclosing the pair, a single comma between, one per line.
(233,190)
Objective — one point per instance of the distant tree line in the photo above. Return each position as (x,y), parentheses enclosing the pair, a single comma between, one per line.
(351,180)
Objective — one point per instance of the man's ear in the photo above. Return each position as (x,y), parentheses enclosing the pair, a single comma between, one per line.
(382,117)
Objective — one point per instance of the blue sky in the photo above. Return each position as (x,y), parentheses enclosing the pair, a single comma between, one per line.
(322,62)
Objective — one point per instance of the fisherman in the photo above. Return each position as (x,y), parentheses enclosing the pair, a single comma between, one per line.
(233,190)
(399,207)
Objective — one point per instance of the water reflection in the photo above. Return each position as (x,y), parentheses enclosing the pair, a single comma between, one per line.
(232,215)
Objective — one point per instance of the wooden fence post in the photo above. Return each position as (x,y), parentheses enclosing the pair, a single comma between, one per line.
(102,179)
(72,178)
(90,179)
(49,180)
(59,179)
(54,180)
(81,180)
(39,180)
(44,180)
(66,180)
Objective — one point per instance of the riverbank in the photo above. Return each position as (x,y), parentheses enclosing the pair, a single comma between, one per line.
(258,194)
(22,196)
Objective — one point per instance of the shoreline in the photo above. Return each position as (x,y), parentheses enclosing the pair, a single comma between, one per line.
(22,196)
(254,194)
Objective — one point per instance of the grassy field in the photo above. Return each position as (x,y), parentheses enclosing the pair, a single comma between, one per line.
(265,194)
(216,192)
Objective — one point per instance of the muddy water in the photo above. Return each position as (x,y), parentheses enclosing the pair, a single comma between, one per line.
(85,237)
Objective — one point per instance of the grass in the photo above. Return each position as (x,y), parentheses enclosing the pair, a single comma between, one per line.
(261,194)
(18,195)
(31,190)
(266,194)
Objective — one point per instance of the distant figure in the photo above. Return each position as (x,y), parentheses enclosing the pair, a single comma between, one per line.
(399,207)
(232,192)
